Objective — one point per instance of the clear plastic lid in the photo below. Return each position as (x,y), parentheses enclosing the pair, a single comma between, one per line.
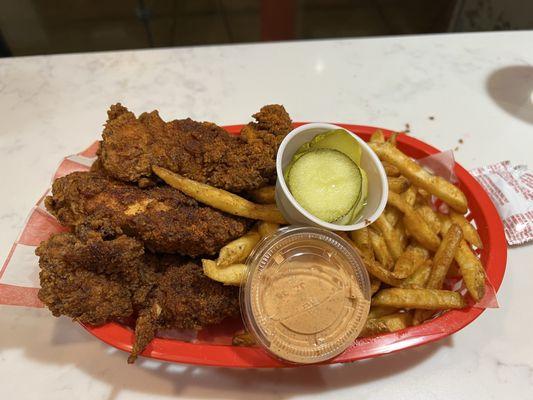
(306,296)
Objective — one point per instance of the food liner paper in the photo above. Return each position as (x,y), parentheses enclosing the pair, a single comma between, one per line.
(19,276)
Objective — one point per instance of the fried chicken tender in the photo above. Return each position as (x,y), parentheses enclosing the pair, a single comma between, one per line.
(83,293)
(273,123)
(189,299)
(201,151)
(126,258)
(95,281)
(163,218)
(184,298)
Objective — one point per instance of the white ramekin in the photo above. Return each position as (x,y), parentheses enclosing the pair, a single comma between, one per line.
(295,214)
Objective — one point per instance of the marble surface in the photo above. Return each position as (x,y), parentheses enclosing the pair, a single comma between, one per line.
(477,87)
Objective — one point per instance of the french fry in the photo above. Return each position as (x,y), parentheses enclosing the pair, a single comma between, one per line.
(469,232)
(398,184)
(264,195)
(402,234)
(393,215)
(376,312)
(390,169)
(243,339)
(230,275)
(386,324)
(416,225)
(444,256)
(441,263)
(361,240)
(410,195)
(377,137)
(426,299)
(266,228)
(425,195)
(471,270)
(390,235)
(380,248)
(430,216)
(419,278)
(410,260)
(470,266)
(236,251)
(220,199)
(384,275)
(375,284)
(393,139)
(409,168)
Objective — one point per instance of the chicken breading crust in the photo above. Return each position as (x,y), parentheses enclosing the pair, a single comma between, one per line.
(163,218)
(201,151)
(95,281)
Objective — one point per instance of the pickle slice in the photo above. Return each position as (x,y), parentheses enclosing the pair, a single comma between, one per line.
(325,182)
(340,140)
(352,215)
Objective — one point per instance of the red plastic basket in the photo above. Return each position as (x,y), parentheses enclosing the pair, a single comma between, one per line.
(493,255)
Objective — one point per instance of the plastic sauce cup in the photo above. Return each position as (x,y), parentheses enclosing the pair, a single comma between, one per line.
(294,213)
(306,296)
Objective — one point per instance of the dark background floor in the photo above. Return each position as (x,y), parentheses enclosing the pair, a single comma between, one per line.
(61,26)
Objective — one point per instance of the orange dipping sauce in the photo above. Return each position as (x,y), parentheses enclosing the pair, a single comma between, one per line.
(307,295)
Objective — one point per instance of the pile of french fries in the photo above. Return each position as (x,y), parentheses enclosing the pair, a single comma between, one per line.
(229,267)
(412,248)
(408,251)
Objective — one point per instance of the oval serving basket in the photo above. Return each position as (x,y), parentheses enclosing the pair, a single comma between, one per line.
(215,349)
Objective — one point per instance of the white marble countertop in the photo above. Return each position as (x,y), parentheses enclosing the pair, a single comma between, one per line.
(476,86)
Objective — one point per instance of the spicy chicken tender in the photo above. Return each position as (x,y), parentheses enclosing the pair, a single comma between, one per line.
(183,298)
(163,218)
(201,151)
(94,281)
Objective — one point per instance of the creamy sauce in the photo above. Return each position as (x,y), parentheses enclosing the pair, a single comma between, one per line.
(308,303)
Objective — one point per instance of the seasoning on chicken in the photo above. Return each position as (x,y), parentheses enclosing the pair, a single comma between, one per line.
(94,281)
(201,151)
(163,218)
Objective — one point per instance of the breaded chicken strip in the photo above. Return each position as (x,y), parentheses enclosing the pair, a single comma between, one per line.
(94,281)
(163,218)
(73,281)
(201,151)
(183,298)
